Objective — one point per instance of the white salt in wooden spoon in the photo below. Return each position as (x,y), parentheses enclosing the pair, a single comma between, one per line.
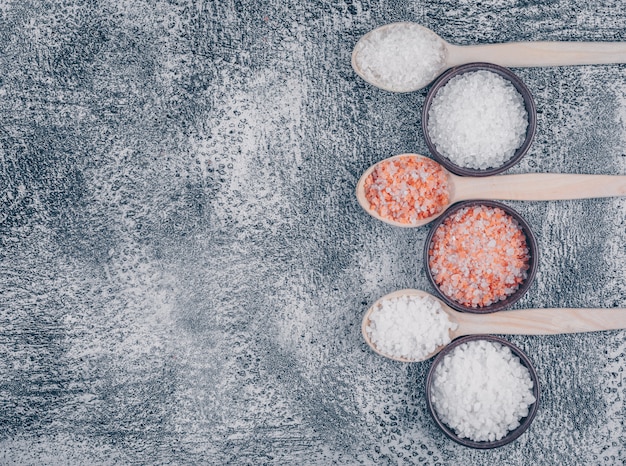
(519,322)
(526,187)
(515,54)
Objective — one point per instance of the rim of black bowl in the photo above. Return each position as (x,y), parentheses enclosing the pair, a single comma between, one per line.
(529,103)
(533,261)
(525,422)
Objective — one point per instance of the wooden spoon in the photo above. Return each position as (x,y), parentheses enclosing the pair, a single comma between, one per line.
(526,187)
(519,322)
(514,54)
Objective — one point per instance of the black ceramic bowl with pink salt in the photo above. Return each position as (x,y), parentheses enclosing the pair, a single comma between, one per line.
(480,256)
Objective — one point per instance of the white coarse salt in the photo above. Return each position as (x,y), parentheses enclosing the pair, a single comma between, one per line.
(481,390)
(409,327)
(401,57)
(478,120)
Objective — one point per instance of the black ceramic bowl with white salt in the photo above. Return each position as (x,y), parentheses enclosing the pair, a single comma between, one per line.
(482,391)
(479,119)
(466,250)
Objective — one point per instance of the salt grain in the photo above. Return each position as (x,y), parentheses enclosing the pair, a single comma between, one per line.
(402,57)
(478,120)
(409,327)
(481,390)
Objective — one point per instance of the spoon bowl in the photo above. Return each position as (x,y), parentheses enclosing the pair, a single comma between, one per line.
(526,187)
(382,51)
(396,294)
(549,321)
(425,59)
(365,203)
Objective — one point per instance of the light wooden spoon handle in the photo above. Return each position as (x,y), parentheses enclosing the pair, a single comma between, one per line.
(539,187)
(542,321)
(529,54)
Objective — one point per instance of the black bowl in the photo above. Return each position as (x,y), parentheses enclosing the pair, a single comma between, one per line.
(524,423)
(533,261)
(528,102)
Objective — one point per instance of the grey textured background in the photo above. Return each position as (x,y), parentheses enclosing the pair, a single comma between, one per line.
(184,265)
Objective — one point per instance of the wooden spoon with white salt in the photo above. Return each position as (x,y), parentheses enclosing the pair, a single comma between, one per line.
(549,321)
(405,57)
(525,187)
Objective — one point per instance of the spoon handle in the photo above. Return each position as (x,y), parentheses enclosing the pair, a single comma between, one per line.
(530,54)
(542,321)
(539,187)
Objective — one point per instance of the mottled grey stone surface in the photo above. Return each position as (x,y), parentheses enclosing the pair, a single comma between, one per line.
(184,265)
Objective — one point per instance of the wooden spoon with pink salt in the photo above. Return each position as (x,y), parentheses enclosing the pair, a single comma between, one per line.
(410,190)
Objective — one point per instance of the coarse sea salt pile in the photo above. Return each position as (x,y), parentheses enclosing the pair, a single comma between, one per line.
(481,390)
(409,327)
(478,120)
(478,256)
(402,57)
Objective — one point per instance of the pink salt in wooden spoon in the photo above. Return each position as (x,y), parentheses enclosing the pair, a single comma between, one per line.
(377,66)
(526,187)
(549,321)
